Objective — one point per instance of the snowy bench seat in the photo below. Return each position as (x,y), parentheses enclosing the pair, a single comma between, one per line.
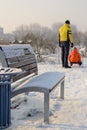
(44,83)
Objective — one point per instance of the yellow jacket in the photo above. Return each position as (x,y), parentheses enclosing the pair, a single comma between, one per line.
(65,33)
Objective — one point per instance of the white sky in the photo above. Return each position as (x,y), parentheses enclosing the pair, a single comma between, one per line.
(14,13)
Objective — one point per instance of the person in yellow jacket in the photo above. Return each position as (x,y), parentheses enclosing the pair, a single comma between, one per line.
(65,41)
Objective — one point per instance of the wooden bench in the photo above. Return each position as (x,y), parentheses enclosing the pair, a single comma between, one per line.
(44,83)
(19,56)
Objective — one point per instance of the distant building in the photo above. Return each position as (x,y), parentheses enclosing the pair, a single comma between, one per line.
(5,38)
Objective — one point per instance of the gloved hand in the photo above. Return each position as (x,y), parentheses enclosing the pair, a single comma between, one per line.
(72,45)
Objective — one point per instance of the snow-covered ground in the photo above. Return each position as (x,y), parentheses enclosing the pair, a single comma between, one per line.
(67,114)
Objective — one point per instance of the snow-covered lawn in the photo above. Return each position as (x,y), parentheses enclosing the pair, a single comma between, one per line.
(67,114)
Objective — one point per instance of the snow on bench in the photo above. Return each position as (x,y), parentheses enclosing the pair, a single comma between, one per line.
(23,57)
(44,83)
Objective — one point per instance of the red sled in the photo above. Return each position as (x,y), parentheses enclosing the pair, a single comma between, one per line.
(74,57)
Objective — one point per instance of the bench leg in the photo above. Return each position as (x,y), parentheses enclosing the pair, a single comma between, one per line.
(62,90)
(46,107)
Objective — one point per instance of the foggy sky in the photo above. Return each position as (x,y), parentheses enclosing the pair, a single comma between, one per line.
(14,13)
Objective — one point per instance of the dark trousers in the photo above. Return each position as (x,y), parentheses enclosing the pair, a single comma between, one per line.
(64,54)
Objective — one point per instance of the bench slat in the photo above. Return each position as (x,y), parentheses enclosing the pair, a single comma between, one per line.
(24,74)
(12,60)
(19,58)
(31,56)
(19,64)
(29,67)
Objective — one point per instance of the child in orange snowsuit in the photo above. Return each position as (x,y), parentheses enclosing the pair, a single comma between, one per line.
(74,57)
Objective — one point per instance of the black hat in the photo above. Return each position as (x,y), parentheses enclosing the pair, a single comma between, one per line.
(67,22)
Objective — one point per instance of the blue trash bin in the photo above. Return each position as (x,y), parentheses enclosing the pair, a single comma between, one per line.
(5,93)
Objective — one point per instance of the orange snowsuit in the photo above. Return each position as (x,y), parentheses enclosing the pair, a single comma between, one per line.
(74,56)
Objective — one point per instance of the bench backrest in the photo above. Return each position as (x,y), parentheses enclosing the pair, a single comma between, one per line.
(19,56)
